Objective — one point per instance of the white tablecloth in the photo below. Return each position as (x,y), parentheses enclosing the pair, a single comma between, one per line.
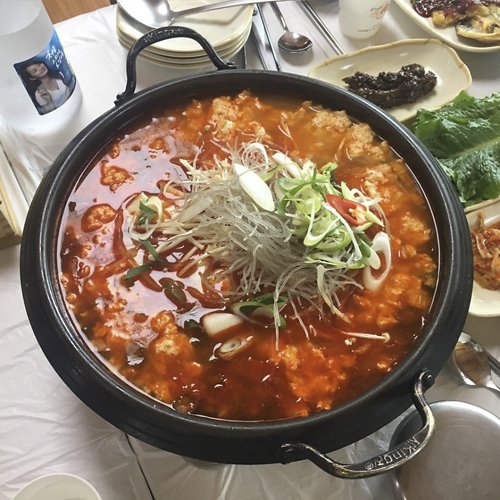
(44,428)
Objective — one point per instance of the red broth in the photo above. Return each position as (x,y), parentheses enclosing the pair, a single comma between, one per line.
(143,333)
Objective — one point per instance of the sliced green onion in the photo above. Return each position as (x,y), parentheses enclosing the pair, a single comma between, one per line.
(268,299)
(152,250)
(147,214)
(261,309)
(136,271)
(366,251)
(340,239)
(318,230)
(329,168)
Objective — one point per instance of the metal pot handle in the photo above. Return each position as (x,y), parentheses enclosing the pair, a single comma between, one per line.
(387,461)
(159,35)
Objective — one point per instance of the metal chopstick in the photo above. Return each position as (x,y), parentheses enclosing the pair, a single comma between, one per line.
(257,46)
(313,15)
(268,36)
(494,363)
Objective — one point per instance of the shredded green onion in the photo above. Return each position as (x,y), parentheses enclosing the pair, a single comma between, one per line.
(304,245)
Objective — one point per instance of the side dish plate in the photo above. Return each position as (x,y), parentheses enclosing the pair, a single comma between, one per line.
(222,28)
(453,76)
(447,35)
(484,302)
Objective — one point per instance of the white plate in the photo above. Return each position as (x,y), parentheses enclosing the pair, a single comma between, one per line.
(452,74)
(485,303)
(220,27)
(447,35)
(482,204)
(179,63)
(180,59)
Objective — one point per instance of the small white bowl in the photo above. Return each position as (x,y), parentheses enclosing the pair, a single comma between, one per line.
(484,302)
(58,487)
(452,74)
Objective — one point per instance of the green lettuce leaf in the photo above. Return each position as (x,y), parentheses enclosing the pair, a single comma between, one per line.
(465,138)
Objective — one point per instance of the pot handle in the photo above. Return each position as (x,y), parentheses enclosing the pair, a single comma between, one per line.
(159,35)
(385,462)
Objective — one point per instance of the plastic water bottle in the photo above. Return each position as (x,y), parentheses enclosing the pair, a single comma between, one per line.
(38,89)
(361,18)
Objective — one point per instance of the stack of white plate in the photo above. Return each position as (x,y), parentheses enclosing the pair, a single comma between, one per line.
(226,29)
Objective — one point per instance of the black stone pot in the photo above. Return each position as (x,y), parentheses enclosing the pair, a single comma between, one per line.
(210,439)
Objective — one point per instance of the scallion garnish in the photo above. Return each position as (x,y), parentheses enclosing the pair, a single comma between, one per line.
(152,250)
(261,309)
(305,245)
(147,214)
(136,271)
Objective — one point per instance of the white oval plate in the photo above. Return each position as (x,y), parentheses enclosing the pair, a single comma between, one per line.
(482,204)
(447,35)
(484,302)
(452,74)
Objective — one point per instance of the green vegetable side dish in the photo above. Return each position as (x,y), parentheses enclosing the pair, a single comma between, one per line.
(465,138)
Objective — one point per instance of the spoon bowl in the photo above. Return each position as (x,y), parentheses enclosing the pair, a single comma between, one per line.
(290,40)
(151,14)
(470,365)
(294,42)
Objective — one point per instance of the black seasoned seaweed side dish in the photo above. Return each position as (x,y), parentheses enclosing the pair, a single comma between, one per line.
(389,89)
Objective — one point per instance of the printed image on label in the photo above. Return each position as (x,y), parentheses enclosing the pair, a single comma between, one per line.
(47,77)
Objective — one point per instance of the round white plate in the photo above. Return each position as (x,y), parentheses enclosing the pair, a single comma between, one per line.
(447,35)
(180,57)
(183,60)
(220,27)
(484,302)
(452,74)
(198,63)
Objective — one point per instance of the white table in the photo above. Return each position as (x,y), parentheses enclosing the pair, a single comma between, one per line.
(44,428)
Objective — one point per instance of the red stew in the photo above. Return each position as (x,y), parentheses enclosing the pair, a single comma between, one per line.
(147,326)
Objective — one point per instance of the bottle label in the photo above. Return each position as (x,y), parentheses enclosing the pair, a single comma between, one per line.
(379,12)
(47,77)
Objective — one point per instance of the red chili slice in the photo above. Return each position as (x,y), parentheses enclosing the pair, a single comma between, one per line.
(344,208)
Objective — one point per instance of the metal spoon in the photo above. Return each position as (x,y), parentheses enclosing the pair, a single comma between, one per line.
(289,40)
(158,13)
(494,363)
(469,363)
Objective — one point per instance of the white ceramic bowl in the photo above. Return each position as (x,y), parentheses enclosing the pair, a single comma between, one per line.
(452,74)
(58,487)
(484,302)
